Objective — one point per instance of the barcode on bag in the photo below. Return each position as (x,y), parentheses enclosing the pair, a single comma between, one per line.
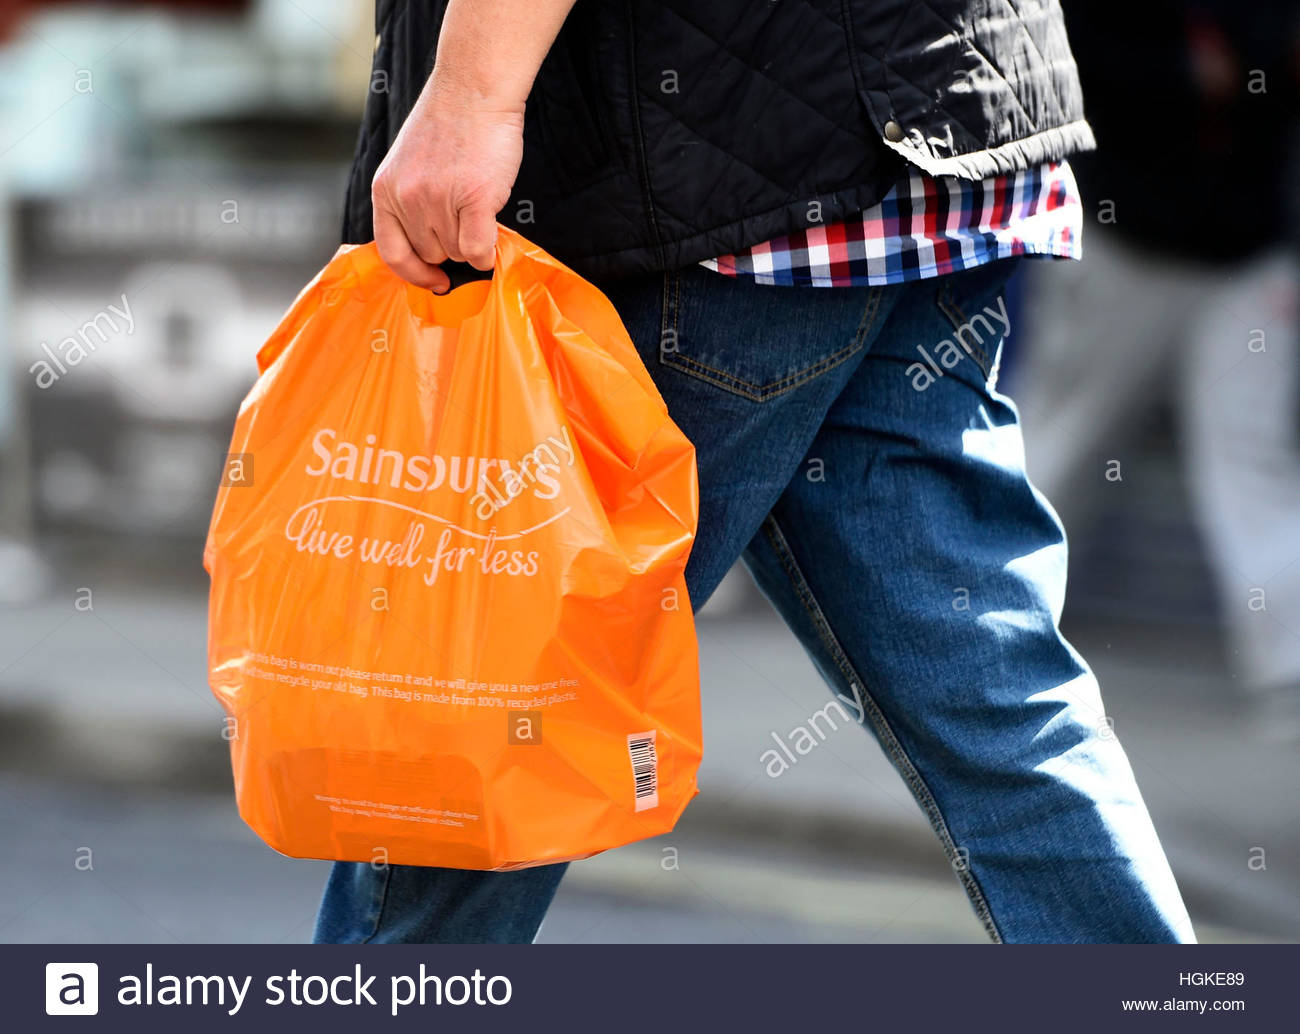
(645,769)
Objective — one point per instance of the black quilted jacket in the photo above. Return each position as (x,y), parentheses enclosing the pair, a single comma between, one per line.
(661,132)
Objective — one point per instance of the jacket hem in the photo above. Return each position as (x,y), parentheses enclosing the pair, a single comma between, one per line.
(1047,146)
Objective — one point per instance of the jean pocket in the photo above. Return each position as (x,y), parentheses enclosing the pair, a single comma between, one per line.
(974,303)
(760,341)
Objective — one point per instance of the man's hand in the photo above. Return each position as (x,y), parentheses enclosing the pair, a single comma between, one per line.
(437,194)
(449,172)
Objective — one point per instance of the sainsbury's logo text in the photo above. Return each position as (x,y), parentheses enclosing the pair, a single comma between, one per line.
(492,483)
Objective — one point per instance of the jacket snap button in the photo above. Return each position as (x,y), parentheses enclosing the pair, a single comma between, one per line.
(893,132)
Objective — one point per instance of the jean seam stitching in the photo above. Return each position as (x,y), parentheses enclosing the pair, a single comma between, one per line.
(383,904)
(892,746)
(669,307)
(774,389)
(677,306)
(665,308)
(958,318)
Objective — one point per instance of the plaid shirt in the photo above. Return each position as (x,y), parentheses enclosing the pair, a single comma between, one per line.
(926,227)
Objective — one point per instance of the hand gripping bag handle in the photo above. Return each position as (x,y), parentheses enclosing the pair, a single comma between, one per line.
(518,265)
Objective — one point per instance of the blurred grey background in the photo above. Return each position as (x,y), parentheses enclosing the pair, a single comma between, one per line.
(184,163)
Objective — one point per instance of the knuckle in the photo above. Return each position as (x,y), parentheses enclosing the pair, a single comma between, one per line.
(409,192)
(382,185)
(452,247)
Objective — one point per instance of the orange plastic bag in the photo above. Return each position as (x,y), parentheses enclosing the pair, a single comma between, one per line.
(448,618)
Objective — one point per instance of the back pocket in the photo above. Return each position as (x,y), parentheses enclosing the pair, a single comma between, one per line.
(756,340)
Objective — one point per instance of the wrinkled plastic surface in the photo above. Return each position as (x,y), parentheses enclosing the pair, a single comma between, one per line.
(447,607)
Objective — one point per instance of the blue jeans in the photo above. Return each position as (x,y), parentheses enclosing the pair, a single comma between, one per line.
(873,482)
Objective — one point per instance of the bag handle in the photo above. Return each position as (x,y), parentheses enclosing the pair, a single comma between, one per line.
(358,269)
(462,273)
